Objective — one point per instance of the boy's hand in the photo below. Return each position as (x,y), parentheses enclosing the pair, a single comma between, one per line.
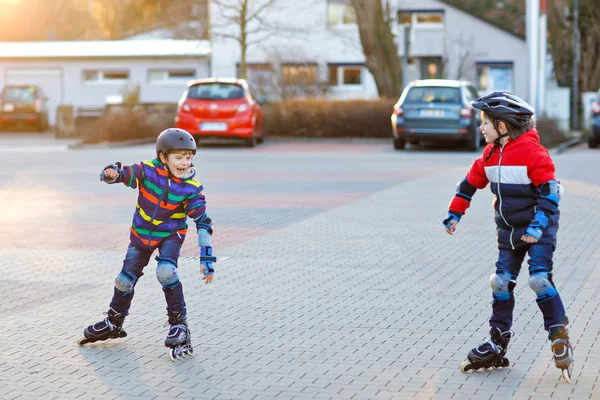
(110,174)
(451,221)
(528,239)
(207,278)
(451,227)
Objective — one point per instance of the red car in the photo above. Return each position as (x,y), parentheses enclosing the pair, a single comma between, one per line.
(220,108)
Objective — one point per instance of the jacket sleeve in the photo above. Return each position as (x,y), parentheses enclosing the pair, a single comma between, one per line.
(475,179)
(541,173)
(131,175)
(196,205)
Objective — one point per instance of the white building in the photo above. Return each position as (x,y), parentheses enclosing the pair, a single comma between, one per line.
(319,41)
(83,74)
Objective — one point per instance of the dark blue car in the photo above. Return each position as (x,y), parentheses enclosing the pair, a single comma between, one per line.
(437,110)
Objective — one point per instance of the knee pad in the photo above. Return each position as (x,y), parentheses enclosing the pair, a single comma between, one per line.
(166,273)
(502,285)
(542,285)
(125,282)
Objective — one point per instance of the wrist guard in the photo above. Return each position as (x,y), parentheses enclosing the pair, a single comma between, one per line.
(117,167)
(207,260)
(452,216)
(537,225)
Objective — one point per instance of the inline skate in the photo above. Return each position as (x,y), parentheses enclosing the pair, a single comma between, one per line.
(562,351)
(489,354)
(110,327)
(179,338)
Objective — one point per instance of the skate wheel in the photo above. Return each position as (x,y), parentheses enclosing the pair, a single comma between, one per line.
(465,366)
(83,341)
(568,372)
(172,354)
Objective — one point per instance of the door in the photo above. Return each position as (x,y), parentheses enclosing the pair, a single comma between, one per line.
(49,79)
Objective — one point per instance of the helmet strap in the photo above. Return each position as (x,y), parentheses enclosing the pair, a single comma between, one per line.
(500,135)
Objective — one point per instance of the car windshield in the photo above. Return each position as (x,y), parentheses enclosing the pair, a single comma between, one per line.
(19,94)
(433,95)
(216,91)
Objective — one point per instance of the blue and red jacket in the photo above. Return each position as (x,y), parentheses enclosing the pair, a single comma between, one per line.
(164,202)
(519,171)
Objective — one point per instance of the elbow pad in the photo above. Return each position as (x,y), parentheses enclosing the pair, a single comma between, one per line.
(204,222)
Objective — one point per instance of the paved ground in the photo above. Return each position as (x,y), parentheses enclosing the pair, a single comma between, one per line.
(336,279)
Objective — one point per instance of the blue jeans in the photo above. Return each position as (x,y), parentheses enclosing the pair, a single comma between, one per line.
(133,265)
(540,264)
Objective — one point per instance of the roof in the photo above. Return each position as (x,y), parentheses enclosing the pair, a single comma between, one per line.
(440,82)
(236,81)
(106,49)
(481,18)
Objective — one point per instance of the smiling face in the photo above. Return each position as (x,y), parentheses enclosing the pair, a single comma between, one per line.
(178,162)
(489,132)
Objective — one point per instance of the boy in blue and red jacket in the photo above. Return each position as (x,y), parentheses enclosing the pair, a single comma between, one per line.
(521,173)
(168,194)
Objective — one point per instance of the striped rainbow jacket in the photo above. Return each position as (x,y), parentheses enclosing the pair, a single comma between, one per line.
(163,203)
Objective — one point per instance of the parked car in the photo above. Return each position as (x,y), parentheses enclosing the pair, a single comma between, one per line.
(221,108)
(436,110)
(594,139)
(23,106)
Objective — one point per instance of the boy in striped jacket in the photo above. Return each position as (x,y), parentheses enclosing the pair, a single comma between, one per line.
(168,194)
(521,173)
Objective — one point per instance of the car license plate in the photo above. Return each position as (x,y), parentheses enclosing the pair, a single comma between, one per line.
(213,126)
(433,113)
(8,107)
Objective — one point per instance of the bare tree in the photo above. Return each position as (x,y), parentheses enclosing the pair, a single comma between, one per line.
(379,47)
(252,24)
(561,42)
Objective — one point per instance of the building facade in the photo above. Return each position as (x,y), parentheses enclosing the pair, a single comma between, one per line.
(318,44)
(84,74)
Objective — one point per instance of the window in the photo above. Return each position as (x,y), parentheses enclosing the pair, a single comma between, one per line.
(299,74)
(345,74)
(258,75)
(107,77)
(422,18)
(170,76)
(495,76)
(340,12)
(431,67)
(216,91)
(433,94)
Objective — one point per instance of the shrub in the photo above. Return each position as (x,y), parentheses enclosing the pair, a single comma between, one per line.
(121,123)
(329,118)
(550,134)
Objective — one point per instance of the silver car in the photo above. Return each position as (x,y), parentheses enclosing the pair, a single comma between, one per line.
(437,110)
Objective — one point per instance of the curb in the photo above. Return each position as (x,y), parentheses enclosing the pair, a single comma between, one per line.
(124,143)
(568,144)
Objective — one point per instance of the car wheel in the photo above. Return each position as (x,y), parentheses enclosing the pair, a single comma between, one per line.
(250,142)
(399,143)
(593,142)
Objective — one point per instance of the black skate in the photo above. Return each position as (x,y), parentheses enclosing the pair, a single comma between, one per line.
(179,338)
(563,351)
(489,354)
(109,328)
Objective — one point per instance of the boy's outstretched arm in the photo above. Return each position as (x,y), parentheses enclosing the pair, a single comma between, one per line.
(466,188)
(541,172)
(196,209)
(129,175)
